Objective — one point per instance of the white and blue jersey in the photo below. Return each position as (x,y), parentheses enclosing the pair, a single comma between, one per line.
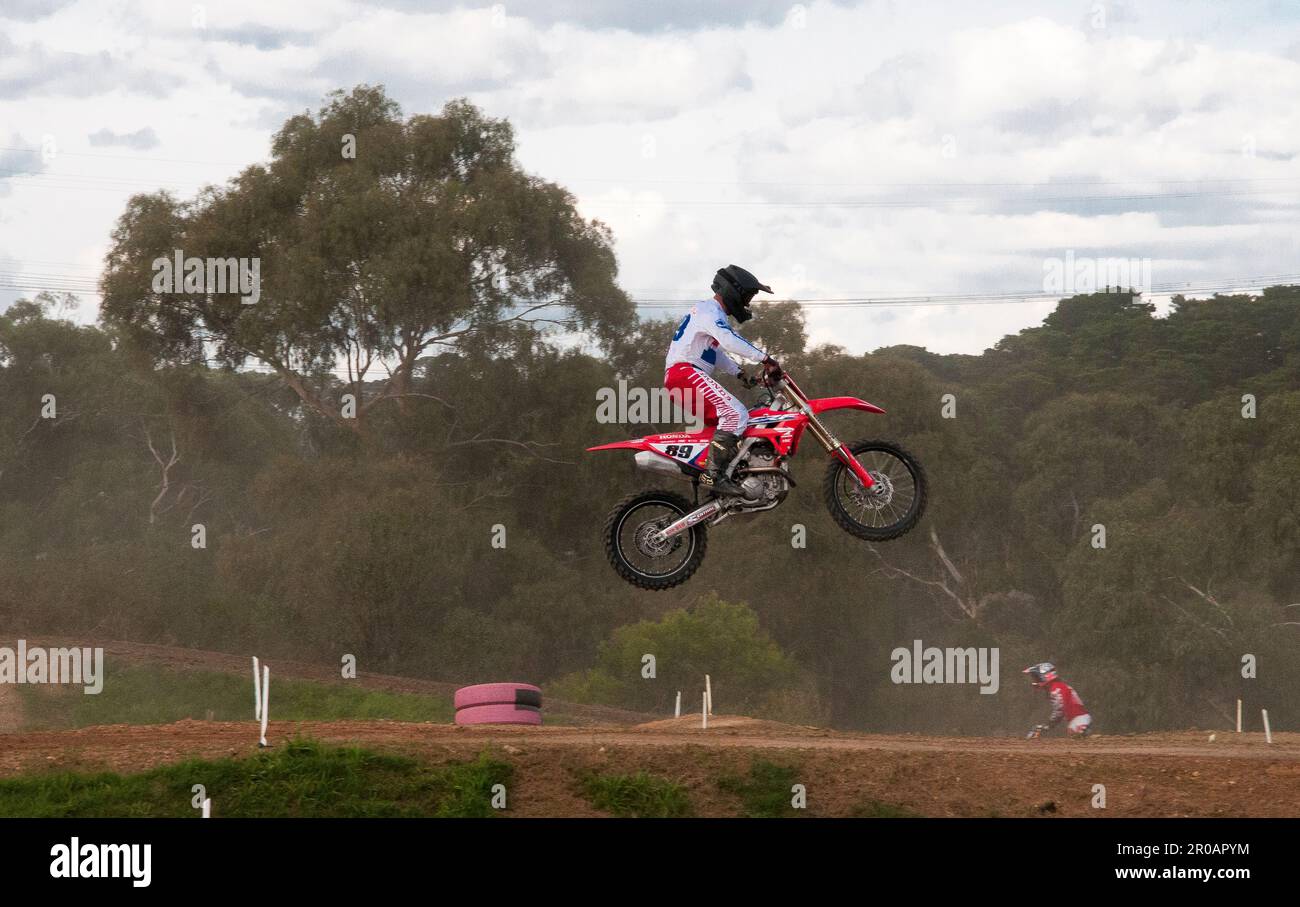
(704,338)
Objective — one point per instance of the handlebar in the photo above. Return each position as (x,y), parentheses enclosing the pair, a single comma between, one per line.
(772,374)
(776,379)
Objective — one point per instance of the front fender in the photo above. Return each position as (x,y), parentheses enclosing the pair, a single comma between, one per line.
(821,404)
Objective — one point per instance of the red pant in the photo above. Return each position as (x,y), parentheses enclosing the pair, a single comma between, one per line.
(722,410)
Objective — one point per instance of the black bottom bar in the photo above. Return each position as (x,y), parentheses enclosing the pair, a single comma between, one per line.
(253,858)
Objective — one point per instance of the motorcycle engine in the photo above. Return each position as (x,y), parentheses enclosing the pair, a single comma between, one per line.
(769,488)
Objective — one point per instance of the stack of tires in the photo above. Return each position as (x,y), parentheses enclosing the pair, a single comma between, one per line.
(499,703)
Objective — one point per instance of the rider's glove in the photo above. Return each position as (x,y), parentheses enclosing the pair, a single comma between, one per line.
(773,367)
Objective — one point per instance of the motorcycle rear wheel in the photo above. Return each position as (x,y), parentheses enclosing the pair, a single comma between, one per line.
(633,554)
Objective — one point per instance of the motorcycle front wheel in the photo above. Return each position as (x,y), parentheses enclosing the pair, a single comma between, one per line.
(891,507)
(633,552)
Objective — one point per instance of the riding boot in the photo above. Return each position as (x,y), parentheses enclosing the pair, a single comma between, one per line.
(722,450)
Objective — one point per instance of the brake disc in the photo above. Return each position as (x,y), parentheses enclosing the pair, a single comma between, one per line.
(648,545)
(878,496)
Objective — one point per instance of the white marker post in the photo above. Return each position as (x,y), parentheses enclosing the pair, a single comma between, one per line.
(1238,716)
(1268,733)
(257,691)
(708,693)
(704,710)
(677,711)
(207,807)
(266,701)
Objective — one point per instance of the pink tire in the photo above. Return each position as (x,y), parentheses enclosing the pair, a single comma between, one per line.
(498,694)
(499,714)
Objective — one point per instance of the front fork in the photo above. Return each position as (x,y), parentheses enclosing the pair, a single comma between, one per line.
(845,456)
(835,448)
(823,434)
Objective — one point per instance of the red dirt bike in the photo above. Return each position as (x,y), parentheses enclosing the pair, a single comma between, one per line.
(874,490)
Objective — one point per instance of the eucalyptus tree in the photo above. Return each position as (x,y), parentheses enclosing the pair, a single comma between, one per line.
(376,240)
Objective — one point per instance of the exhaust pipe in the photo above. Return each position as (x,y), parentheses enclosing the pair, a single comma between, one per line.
(652,462)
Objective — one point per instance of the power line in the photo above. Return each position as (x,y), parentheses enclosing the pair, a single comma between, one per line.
(948,184)
(39,261)
(26,283)
(55,182)
(1000,298)
(926,203)
(14,173)
(128,157)
(73,181)
(741,182)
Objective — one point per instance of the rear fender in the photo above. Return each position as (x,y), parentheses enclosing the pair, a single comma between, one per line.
(653,442)
(638,444)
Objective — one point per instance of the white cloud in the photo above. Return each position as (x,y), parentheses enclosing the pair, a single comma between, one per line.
(619,78)
(724,135)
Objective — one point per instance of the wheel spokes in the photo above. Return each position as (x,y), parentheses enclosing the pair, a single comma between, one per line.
(888,502)
(637,547)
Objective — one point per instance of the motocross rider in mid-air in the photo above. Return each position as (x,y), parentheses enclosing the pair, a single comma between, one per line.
(701,344)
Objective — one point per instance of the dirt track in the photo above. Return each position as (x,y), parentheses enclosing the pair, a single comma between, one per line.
(1148,775)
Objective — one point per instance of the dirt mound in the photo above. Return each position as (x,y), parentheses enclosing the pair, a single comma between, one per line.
(733,724)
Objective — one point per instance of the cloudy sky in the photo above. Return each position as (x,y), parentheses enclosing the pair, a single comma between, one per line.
(841,150)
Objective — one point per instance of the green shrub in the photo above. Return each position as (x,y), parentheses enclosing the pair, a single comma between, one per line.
(765,791)
(641,796)
(749,671)
(302,779)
